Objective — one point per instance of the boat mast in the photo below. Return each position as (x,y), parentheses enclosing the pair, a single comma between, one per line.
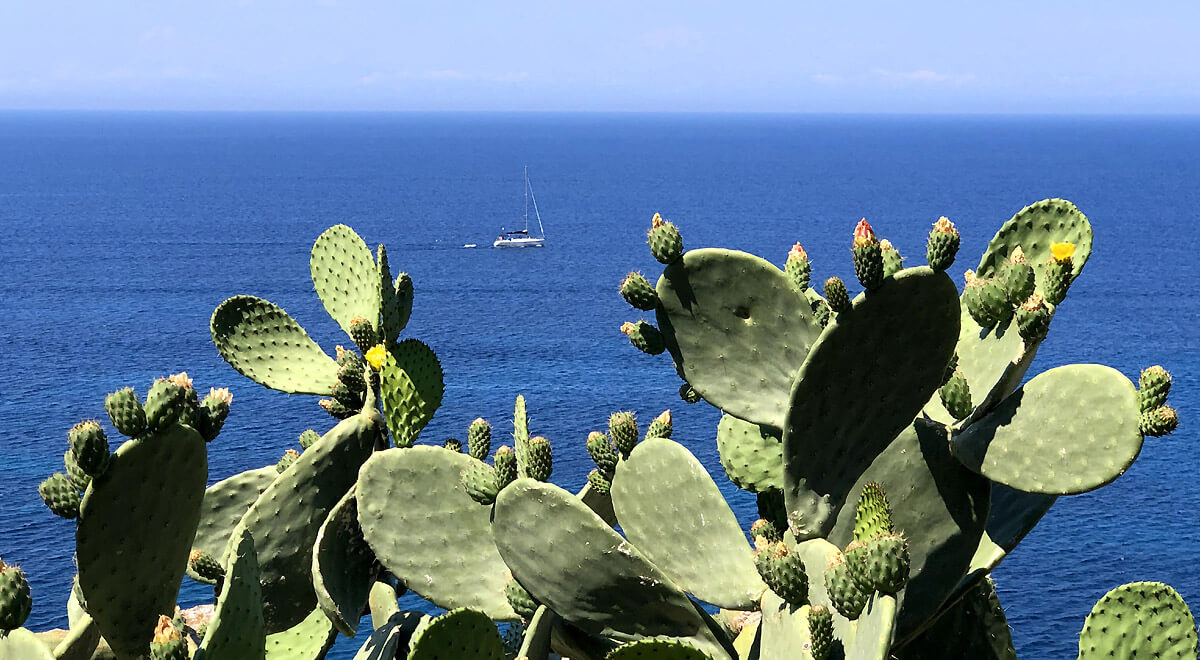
(526,199)
(529,188)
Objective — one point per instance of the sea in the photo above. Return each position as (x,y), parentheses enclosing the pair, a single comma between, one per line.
(121,232)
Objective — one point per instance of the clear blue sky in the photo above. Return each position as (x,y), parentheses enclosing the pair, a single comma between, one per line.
(799,56)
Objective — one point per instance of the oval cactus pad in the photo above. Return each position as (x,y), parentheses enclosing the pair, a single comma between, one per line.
(345,277)
(266,345)
(1033,229)
(343,567)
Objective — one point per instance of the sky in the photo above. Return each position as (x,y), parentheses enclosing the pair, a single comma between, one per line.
(567,55)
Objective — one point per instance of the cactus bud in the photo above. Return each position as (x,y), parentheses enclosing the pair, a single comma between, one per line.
(168,642)
(347,397)
(603,454)
(213,411)
(354,375)
(336,409)
(521,601)
(1159,422)
(942,246)
(479,480)
(637,291)
(60,496)
(994,298)
(644,336)
(821,312)
(285,461)
(623,429)
(540,459)
(784,573)
(661,426)
(1153,386)
(1033,319)
(308,438)
(89,446)
(479,439)
(15,601)
(600,484)
(798,267)
(344,356)
(956,396)
(868,256)
(205,565)
(879,564)
(873,517)
(505,462)
(844,593)
(820,631)
(78,477)
(1016,276)
(125,412)
(1059,272)
(190,413)
(765,529)
(376,356)
(665,242)
(892,261)
(453,444)
(836,295)
(688,394)
(951,367)
(363,332)
(164,404)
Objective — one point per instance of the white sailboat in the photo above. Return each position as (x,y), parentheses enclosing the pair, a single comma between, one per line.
(522,238)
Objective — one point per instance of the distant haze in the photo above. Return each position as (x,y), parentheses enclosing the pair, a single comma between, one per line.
(529,55)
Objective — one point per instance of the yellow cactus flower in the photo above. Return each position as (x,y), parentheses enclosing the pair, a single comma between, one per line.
(376,356)
(1062,251)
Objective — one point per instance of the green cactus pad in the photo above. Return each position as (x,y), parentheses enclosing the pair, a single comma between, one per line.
(390,640)
(1139,620)
(437,520)
(22,644)
(462,634)
(888,352)
(1012,516)
(343,566)
(79,644)
(286,518)
(941,506)
(571,560)
(307,640)
(60,495)
(538,633)
(817,555)
(411,386)
(125,412)
(225,502)
(521,435)
(1069,430)
(874,630)
(345,277)
(784,633)
(1033,229)
(135,533)
(237,629)
(873,515)
(382,603)
(975,627)
(738,330)
(657,649)
(662,495)
(264,344)
(395,305)
(78,478)
(751,455)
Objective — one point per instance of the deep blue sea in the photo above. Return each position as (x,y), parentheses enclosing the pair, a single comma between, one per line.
(119,234)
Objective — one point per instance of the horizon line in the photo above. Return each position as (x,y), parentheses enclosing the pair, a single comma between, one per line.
(762,113)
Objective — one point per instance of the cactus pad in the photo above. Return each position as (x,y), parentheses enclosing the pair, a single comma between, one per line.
(1033,229)
(345,277)
(411,386)
(662,495)
(343,566)
(264,344)
(974,627)
(751,455)
(15,601)
(390,640)
(738,330)
(1069,430)
(437,520)
(462,634)
(21,644)
(875,630)
(132,543)
(225,502)
(784,630)
(236,629)
(1139,620)
(911,325)
(657,649)
(306,640)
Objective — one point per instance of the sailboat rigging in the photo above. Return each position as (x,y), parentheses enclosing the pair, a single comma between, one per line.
(522,237)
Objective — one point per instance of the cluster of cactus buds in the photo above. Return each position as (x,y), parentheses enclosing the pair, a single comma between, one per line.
(1157,418)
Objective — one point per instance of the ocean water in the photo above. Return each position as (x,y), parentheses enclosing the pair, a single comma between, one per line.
(122,232)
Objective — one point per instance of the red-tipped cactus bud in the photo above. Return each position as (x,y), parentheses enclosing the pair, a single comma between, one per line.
(892,261)
(205,565)
(603,454)
(1159,422)
(308,438)
(942,246)
(836,295)
(1016,276)
(645,337)
(868,256)
(638,292)
(166,402)
(623,429)
(798,267)
(661,426)
(479,439)
(15,601)
(665,242)
(168,642)
(1153,386)
(213,411)
(285,462)
(864,235)
(767,530)
(336,409)
(1033,318)
(344,356)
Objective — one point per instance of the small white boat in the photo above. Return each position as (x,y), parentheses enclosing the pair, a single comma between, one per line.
(522,238)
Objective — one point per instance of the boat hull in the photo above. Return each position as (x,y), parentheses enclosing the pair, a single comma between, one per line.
(518,242)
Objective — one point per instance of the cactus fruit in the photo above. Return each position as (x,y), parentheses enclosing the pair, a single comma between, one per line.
(873,517)
(1153,386)
(868,256)
(942,246)
(798,267)
(205,565)
(645,337)
(285,461)
(1059,272)
(164,404)
(601,485)
(190,413)
(349,398)
(344,356)
(60,496)
(505,462)
(603,454)
(78,477)
(623,429)
(766,530)
(540,459)
(480,482)
(453,444)
(836,295)
(665,242)
(688,394)
(1033,319)
(336,409)
(956,396)
(125,412)
(879,564)
(363,332)
(638,292)
(353,374)
(820,629)
(821,312)
(308,438)
(972,299)
(213,411)
(844,593)
(15,601)
(661,427)
(479,439)
(783,571)
(168,643)
(1159,422)
(520,599)
(892,261)
(1016,275)
(994,297)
